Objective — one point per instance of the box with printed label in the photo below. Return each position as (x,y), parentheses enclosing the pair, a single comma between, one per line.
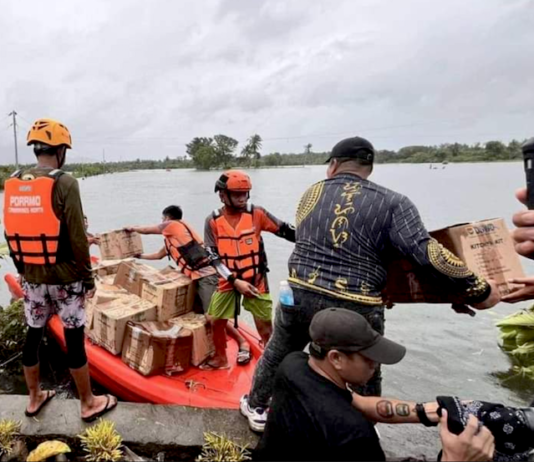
(110,319)
(119,244)
(132,275)
(485,247)
(108,267)
(203,346)
(104,293)
(170,297)
(157,348)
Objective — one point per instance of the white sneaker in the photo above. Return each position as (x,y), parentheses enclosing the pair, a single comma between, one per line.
(256,417)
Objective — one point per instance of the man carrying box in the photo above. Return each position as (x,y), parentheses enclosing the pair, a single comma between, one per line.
(346,229)
(187,249)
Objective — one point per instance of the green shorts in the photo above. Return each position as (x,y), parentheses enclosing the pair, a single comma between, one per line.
(222,305)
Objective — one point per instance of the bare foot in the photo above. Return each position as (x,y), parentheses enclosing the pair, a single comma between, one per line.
(97,406)
(39,400)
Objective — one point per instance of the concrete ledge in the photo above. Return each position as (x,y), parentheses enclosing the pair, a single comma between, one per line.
(153,426)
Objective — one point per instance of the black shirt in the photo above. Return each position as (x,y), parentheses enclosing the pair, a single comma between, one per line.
(311,418)
(347,230)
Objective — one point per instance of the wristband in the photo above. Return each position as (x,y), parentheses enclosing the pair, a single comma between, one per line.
(423,418)
(231,279)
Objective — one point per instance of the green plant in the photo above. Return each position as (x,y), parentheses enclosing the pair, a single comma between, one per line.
(9,431)
(12,330)
(102,442)
(219,448)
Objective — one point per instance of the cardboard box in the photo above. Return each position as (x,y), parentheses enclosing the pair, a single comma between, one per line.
(157,348)
(170,297)
(109,267)
(118,244)
(203,346)
(110,319)
(131,276)
(192,288)
(107,280)
(104,293)
(487,249)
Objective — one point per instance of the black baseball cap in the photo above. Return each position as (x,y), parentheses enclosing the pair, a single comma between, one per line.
(348,331)
(355,147)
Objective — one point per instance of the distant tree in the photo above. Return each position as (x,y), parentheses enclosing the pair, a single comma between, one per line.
(308,148)
(514,150)
(496,150)
(251,151)
(224,149)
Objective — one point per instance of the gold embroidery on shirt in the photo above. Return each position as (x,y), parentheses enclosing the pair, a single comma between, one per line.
(365,288)
(478,289)
(341,284)
(313,276)
(308,201)
(340,224)
(446,262)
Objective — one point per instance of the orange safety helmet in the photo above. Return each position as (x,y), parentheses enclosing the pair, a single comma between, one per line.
(50,132)
(233,180)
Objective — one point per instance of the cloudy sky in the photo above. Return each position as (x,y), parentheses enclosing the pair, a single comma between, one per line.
(141,78)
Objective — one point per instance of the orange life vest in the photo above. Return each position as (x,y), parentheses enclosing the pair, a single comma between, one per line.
(185,247)
(31,225)
(240,248)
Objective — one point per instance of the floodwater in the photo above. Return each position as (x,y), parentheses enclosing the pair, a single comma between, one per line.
(448,353)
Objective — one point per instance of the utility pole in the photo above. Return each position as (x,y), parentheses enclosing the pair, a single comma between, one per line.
(14,114)
(104,155)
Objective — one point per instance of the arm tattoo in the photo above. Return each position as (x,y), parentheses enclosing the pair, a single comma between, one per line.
(402,409)
(385,409)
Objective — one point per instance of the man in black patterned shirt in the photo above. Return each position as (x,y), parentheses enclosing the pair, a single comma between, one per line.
(347,228)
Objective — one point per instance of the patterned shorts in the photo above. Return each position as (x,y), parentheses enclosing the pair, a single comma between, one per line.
(41,301)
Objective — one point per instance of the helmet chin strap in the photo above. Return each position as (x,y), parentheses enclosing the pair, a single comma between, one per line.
(229,203)
(60,157)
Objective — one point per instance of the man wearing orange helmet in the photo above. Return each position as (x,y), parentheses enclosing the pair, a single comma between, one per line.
(45,231)
(234,233)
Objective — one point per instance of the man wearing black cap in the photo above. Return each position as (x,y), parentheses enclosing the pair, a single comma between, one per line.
(347,227)
(312,415)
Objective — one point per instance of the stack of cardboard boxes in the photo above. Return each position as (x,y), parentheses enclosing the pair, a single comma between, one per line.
(145,314)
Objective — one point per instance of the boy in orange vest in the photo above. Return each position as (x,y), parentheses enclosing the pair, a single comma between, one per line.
(234,233)
(186,248)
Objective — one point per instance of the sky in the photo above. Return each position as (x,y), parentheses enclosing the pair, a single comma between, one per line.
(138,79)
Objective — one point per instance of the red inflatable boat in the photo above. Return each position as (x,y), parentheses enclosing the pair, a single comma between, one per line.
(207,389)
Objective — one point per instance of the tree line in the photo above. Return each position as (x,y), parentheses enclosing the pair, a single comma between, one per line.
(221,151)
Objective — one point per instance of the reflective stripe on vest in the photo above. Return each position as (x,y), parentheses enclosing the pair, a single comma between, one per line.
(239,247)
(31,225)
(178,234)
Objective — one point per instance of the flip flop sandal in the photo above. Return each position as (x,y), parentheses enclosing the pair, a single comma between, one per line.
(98,414)
(243,357)
(50,394)
(210,367)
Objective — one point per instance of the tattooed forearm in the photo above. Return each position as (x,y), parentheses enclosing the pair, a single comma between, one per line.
(402,409)
(385,409)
